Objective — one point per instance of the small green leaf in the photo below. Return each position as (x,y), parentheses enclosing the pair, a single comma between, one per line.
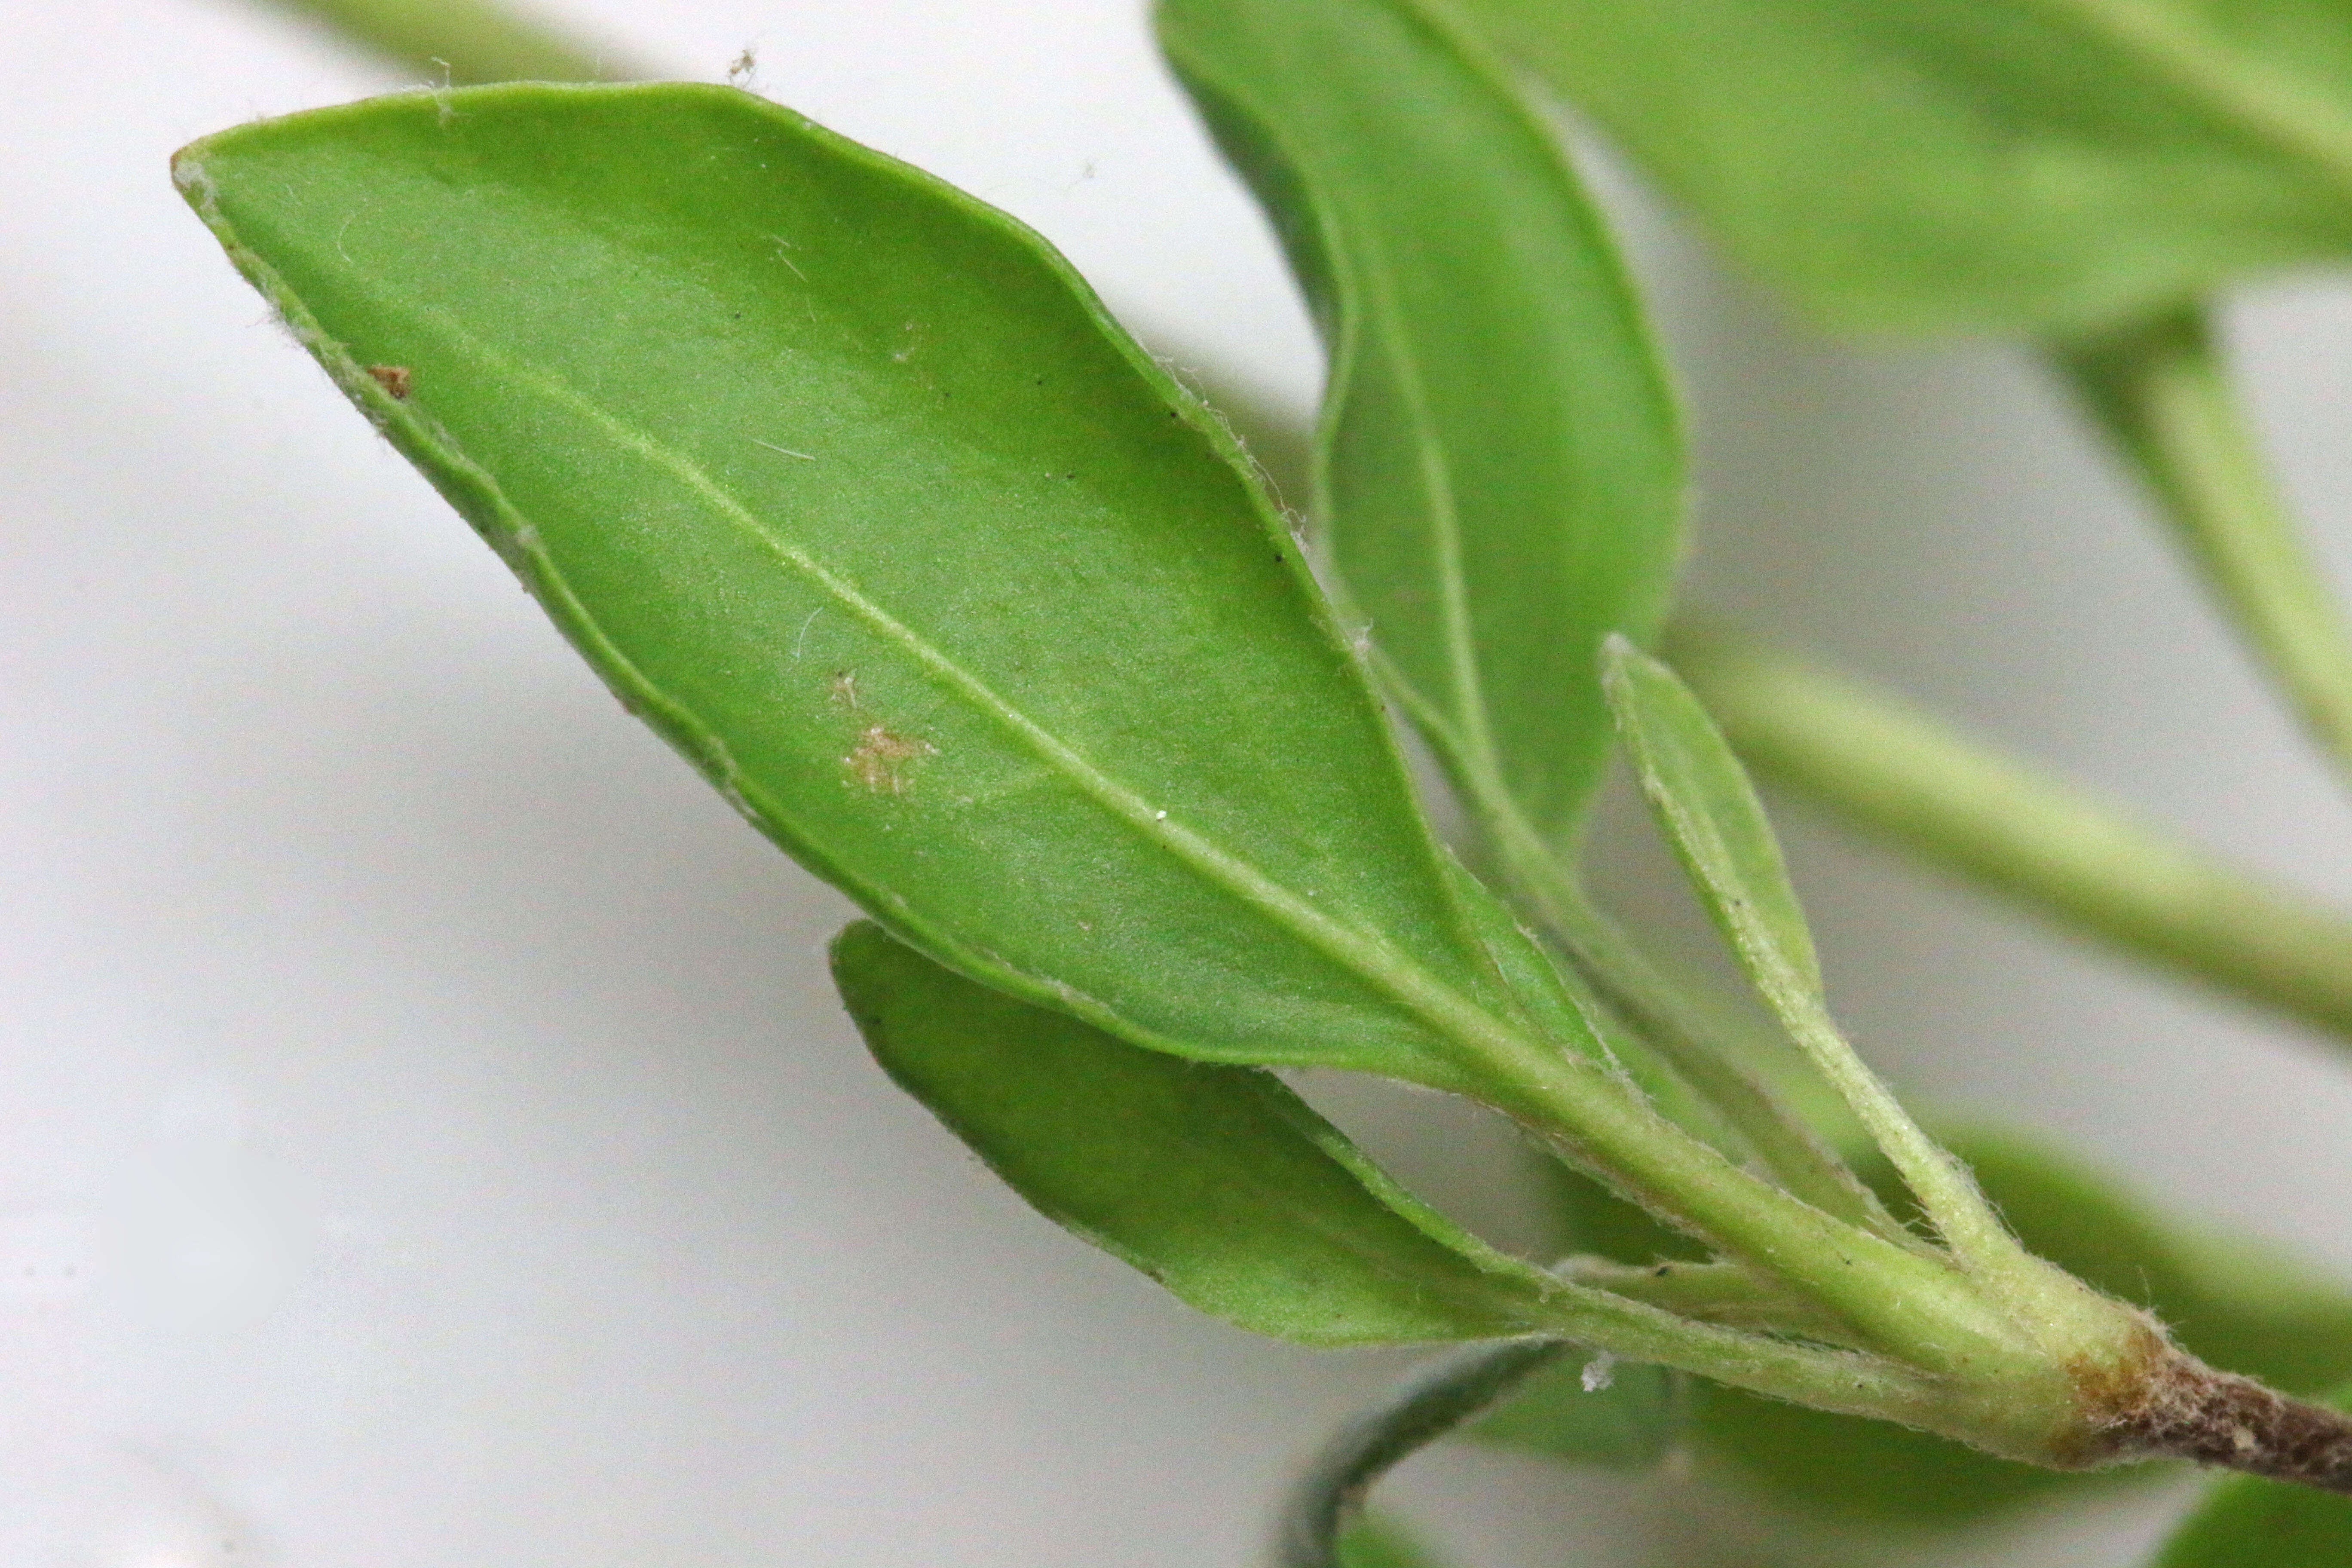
(1499,475)
(2245,1309)
(2245,1521)
(1216,1181)
(1432,1402)
(850,487)
(1709,812)
(2051,166)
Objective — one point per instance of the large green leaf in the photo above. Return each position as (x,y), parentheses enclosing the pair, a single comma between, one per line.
(1216,1181)
(2043,165)
(850,487)
(1499,478)
(2248,1523)
(2246,1308)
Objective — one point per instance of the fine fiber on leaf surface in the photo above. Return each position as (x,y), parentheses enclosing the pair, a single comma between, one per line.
(1216,1181)
(848,486)
(1497,476)
(2049,166)
(2244,1521)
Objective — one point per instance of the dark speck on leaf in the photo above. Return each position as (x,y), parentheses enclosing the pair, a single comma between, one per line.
(393,378)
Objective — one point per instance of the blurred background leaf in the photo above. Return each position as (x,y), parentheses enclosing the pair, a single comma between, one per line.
(1943,166)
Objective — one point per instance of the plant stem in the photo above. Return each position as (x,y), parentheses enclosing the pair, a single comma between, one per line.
(1703,1040)
(1727,1293)
(2158,388)
(2179,1409)
(1686,1038)
(464,42)
(1900,776)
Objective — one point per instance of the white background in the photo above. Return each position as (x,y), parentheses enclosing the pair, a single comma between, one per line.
(426,1134)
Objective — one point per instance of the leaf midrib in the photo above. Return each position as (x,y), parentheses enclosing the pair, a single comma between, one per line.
(1455,1017)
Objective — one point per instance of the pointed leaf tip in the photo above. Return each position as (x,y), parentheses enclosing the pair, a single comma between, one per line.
(1708,809)
(848,486)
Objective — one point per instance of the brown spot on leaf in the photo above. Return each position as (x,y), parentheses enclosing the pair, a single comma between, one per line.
(882,759)
(393,378)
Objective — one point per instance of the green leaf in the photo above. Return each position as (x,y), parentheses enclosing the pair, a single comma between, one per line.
(2245,1521)
(1498,479)
(2247,1308)
(1631,1418)
(1381,1543)
(1428,1404)
(1709,812)
(850,487)
(1376,1543)
(2048,166)
(1216,1181)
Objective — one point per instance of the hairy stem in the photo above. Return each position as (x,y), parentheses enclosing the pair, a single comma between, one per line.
(1898,775)
(2160,390)
(1725,1293)
(2183,1409)
(463,42)
(1688,1038)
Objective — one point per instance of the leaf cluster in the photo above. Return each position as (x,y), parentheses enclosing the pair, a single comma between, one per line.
(848,486)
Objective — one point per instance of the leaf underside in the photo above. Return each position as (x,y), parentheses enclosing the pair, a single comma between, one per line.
(1498,475)
(1216,1181)
(846,485)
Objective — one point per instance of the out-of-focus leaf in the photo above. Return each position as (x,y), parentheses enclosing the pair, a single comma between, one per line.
(849,487)
(1631,1417)
(1498,479)
(1927,166)
(2241,1307)
(1432,1402)
(1375,1542)
(467,41)
(1216,1181)
(2245,1521)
